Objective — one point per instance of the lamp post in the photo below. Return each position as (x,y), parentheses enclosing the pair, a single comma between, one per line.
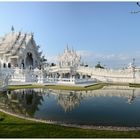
(133,68)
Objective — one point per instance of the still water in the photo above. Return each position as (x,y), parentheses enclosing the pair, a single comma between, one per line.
(116,106)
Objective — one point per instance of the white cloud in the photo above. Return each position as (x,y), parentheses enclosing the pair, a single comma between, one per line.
(88,54)
(52,59)
(111,60)
(85,53)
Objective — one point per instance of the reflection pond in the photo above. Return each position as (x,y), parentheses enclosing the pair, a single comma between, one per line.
(112,105)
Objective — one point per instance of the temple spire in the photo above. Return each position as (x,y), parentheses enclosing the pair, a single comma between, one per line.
(12,29)
(133,61)
(67,47)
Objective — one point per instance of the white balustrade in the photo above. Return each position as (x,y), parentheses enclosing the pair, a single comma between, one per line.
(39,76)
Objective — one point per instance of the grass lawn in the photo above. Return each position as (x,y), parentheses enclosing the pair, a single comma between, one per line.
(134,85)
(64,87)
(59,87)
(12,127)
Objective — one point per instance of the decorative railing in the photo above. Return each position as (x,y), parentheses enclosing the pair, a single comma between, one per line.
(105,72)
(50,74)
(3,81)
(68,80)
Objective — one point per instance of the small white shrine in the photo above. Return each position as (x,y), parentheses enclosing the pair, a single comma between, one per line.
(69,58)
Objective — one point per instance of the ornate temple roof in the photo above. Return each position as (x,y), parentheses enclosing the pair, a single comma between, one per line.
(14,42)
(69,58)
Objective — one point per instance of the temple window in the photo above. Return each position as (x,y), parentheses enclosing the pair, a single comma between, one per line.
(68,63)
(22,64)
(9,65)
(4,65)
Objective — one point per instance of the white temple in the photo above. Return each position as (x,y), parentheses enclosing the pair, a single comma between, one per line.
(19,49)
(21,62)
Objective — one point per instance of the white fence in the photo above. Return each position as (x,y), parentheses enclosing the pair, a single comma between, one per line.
(3,82)
(103,75)
(68,80)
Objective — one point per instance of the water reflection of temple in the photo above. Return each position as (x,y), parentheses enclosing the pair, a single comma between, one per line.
(131,97)
(27,101)
(24,101)
(69,101)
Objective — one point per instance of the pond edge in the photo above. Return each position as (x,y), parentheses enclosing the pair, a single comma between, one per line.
(111,128)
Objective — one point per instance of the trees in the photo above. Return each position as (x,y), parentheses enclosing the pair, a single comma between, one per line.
(53,64)
(99,66)
(135,12)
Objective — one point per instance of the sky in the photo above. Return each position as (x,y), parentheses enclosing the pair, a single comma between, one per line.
(104,32)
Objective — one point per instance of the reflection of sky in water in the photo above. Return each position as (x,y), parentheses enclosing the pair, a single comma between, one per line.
(100,107)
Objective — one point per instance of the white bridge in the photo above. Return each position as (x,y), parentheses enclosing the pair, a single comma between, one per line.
(103,75)
(71,75)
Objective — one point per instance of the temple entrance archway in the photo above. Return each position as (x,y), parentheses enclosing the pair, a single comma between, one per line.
(29,60)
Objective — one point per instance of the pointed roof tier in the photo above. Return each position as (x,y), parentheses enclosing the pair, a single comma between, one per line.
(69,58)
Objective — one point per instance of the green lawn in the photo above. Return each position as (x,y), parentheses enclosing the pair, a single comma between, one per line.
(134,85)
(59,87)
(12,127)
(64,87)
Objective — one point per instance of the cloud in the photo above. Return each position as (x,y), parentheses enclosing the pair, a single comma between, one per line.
(52,59)
(88,54)
(109,59)
(85,53)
